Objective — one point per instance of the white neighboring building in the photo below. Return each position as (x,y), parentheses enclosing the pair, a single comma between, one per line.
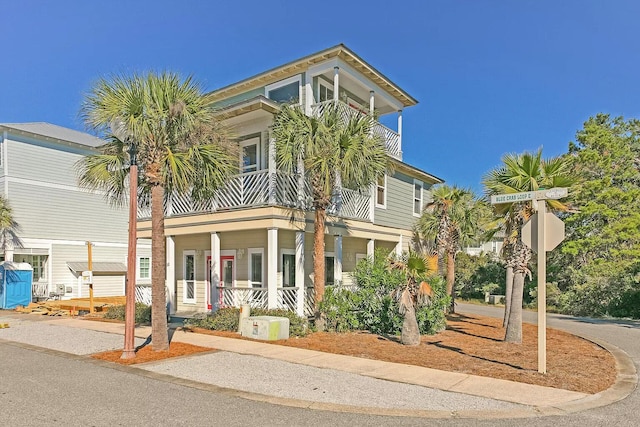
(57,218)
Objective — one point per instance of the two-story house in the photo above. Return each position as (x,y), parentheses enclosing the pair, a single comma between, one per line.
(253,242)
(58,219)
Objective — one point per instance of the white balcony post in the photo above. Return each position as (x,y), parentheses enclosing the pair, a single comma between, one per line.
(214,290)
(336,83)
(300,273)
(308,93)
(171,273)
(399,246)
(337,260)
(371,245)
(272,268)
(400,133)
(371,102)
(272,171)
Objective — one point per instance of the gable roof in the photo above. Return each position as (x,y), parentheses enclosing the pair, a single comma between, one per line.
(295,67)
(60,133)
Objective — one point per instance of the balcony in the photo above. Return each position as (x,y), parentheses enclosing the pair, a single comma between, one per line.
(255,189)
(391,138)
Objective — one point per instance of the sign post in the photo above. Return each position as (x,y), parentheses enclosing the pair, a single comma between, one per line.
(543,232)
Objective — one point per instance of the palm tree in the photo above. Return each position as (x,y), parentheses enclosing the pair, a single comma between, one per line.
(180,148)
(451,220)
(333,151)
(521,173)
(9,228)
(411,294)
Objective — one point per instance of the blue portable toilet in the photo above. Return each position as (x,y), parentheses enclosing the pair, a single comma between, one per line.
(15,284)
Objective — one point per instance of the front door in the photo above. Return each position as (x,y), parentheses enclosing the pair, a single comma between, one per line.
(227,276)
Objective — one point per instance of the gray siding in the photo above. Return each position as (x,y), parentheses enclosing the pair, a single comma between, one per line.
(103,285)
(42,161)
(54,213)
(399,210)
(239,98)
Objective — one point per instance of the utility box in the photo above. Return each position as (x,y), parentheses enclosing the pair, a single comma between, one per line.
(15,284)
(268,328)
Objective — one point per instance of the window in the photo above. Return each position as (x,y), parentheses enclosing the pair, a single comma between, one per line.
(417,197)
(189,270)
(250,155)
(256,267)
(144,268)
(285,91)
(39,265)
(325,91)
(288,268)
(329,274)
(381,192)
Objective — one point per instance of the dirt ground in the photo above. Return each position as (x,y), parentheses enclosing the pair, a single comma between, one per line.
(470,344)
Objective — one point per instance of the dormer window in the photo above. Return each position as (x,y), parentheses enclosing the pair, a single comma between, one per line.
(286,91)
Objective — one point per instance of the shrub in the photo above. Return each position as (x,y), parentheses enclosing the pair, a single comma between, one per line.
(370,307)
(228,319)
(143,313)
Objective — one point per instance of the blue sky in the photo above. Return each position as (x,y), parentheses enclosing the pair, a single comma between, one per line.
(491,77)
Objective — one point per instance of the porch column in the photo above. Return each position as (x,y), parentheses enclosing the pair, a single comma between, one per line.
(336,82)
(337,260)
(214,286)
(300,273)
(400,133)
(308,93)
(171,273)
(371,102)
(272,268)
(371,246)
(399,246)
(8,252)
(272,171)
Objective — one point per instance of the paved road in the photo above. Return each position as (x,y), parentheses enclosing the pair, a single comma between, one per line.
(46,387)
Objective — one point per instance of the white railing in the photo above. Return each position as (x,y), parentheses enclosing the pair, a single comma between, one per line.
(237,296)
(143,294)
(390,137)
(288,298)
(253,189)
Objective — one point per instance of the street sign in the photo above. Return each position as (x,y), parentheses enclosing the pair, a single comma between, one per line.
(552,193)
(553,232)
(513,197)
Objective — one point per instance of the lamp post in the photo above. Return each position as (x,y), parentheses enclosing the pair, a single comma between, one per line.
(130,287)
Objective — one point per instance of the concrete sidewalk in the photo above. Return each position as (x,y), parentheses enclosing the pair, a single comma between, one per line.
(478,397)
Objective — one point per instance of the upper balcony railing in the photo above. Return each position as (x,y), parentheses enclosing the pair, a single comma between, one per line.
(254,189)
(391,138)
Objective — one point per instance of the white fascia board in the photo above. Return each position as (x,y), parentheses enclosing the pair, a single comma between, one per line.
(369,85)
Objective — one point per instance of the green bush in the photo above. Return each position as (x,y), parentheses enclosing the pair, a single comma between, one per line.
(143,313)
(370,307)
(228,319)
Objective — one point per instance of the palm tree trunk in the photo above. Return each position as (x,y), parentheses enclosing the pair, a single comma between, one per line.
(514,326)
(318,263)
(410,334)
(451,277)
(507,297)
(159,332)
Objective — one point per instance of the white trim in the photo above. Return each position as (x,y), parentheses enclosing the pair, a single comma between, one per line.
(251,251)
(414,198)
(332,255)
(138,276)
(284,252)
(328,86)
(185,254)
(382,205)
(246,143)
(285,82)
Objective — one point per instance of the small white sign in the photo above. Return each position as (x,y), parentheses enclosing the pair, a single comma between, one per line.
(87,277)
(511,198)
